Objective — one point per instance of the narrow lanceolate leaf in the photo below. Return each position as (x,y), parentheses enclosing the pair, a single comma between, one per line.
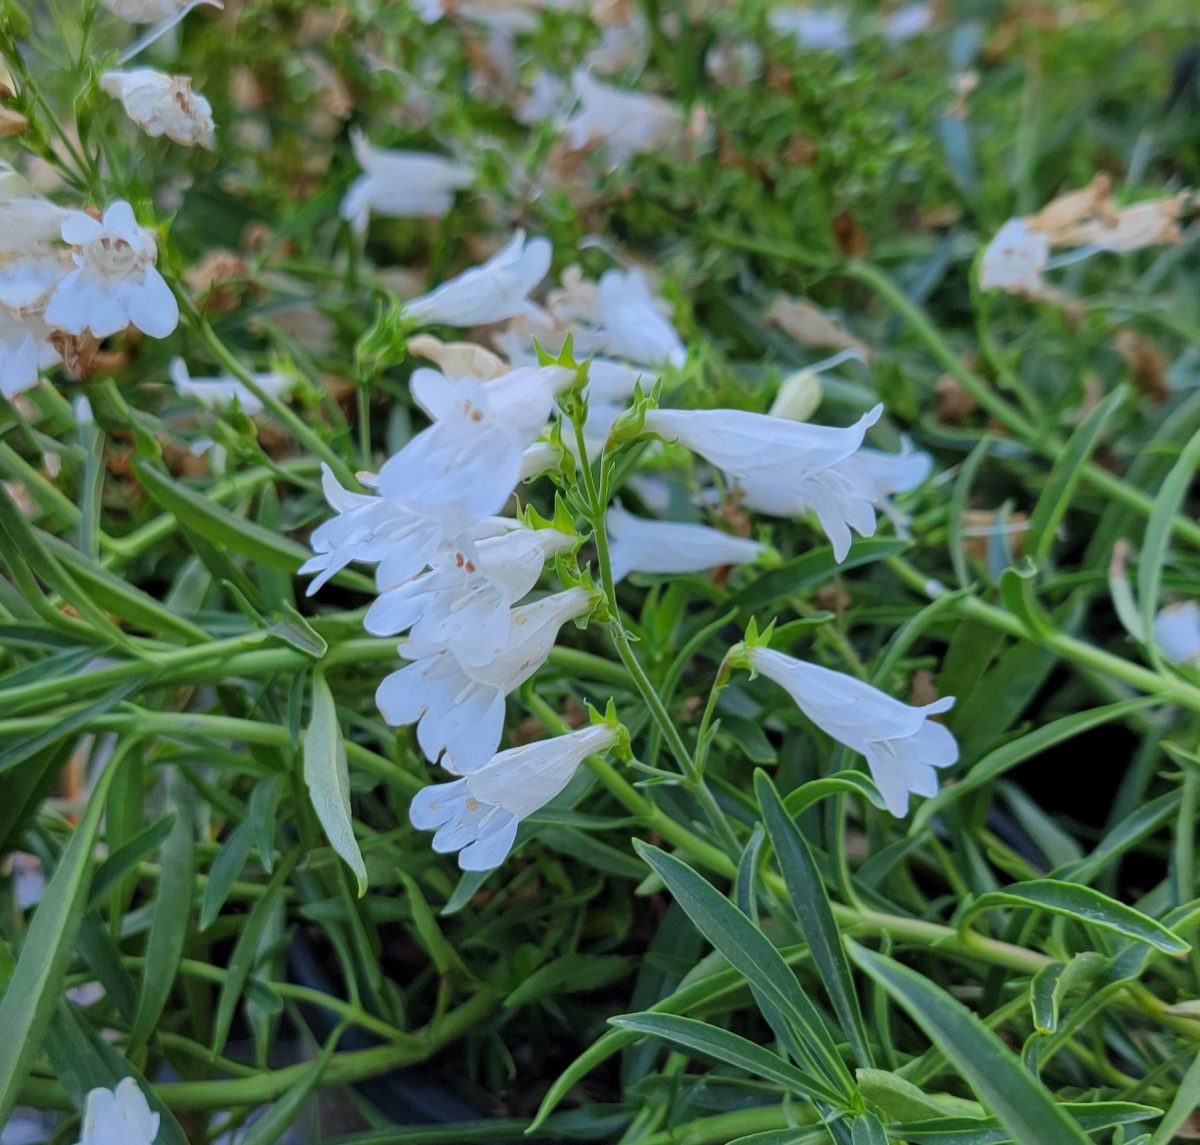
(748,950)
(1159,528)
(1022,1104)
(269,1129)
(37,982)
(169,922)
(328,777)
(815,916)
(1084,905)
(723,1046)
(1055,500)
(1092,1116)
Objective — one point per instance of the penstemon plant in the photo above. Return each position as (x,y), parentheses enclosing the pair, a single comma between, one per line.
(480,653)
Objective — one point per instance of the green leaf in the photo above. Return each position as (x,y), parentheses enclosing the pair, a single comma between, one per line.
(121,862)
(1028,746)
(894,1098)
(839,783)
(1082,904)
(37,982)
(814,568)
(1043,997)
(866,1129)
(730,1048)
(815,916)
(1060,486)
(169,922)
(226,867)
(270,1127)
(246,951)
(571,974)
(327,775)
(748,950)
(1091,1116)
(1187,1098)
(224,529)
(1159,528)
(1022,1104)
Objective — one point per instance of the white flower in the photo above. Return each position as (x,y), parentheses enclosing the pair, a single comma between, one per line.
(478,815)
(27,279)
(25,220)
(817,29)
(25,351)
(459,710)
(901,744)
(120,1116)
(1015,259)
(463,602)
(1177,632)
(401,184)
(639,545)
(470,460)
(114,283)
(538,458)
(215,393)
(627,123)
(907,22)
(611,381)
(151,11)
(495,290)
(784,468)
(631,324)
(892,473)
(798,397)
(544,101)
(374,530)
(163,105)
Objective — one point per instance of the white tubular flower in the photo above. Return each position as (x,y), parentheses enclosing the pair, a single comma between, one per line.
(471,456)
(1177,631)
(539,458)
(216,393)
(163,105)
(114,283)
(28,279)
(120,1116)
(639,545)
(495,290)
(459,710)
(25,220)
(819,30)
(627,123)
(1015,259)
(374,530)
(784,468)
(463,603)
(611,382)
(907,22)
(25,351)
(901,744)
(632,325)
(401,184)
(478,815)
(893,473)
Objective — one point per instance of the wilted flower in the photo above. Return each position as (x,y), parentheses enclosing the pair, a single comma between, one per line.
(459,710)
(639,545)
(25,351)
(120,1116)
(1177,632)
(783,467)
(162,105)
(901,744)
(812,326)
(401,184)
(627,123)
(224,390)
(495,290)
(478,815)
(458,359)
(462,603)
(114,283)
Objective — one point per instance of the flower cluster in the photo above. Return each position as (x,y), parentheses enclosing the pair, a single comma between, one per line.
(67,273)
(451,573)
